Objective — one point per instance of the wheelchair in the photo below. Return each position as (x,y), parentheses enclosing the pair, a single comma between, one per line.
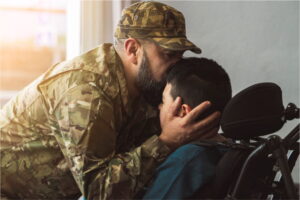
(259,163)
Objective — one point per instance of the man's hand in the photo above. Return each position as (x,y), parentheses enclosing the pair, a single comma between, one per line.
(177,131)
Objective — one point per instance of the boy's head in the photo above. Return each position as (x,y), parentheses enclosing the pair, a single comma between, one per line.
(196,80)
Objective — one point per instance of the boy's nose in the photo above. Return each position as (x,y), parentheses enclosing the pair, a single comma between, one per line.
(159,106)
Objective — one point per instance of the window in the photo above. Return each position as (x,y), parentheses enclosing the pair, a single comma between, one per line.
(35,34)
(33,37)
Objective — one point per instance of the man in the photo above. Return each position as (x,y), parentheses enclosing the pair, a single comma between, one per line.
(85,127)
(193,165)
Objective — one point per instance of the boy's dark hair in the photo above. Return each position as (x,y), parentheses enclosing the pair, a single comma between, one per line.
(199,79)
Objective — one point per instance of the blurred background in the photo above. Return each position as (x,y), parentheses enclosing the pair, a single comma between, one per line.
(33,37)
(255,41)
(35,34)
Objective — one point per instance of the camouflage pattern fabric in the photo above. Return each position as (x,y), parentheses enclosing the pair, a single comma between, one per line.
(158,22)
(75,130)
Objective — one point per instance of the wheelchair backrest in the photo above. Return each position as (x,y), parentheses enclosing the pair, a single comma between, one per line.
(255,111)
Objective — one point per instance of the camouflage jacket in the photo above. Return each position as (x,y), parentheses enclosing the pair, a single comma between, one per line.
(76,131)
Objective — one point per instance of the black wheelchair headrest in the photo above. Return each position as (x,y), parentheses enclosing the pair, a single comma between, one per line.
(255,111)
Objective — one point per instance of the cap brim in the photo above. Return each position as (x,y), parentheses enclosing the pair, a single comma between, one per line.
(177,44)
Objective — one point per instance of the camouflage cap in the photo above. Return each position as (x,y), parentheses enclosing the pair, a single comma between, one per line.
(156,21)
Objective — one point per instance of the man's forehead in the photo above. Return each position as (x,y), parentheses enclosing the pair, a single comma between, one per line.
(171,51)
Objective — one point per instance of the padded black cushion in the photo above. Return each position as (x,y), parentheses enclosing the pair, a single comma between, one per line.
(255,111)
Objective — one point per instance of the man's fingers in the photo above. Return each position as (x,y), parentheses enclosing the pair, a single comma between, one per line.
(175,106)
(210,121)
(191,116)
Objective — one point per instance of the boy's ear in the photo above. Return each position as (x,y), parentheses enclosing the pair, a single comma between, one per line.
(184,109)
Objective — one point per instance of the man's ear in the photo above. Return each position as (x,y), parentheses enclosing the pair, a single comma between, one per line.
(184,109)
(132,47)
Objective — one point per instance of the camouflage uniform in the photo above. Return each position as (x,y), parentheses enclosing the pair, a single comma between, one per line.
(75,130)
(75,124)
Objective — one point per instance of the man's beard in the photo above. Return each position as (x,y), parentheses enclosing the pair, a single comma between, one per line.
(149,88)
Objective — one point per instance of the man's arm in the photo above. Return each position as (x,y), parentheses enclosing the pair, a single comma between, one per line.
(86,131)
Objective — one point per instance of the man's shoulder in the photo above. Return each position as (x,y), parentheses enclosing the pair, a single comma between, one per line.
(97,60)
(98,63)
(94,69)
(94,60)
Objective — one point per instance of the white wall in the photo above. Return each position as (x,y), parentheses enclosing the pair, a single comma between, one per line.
(255,41)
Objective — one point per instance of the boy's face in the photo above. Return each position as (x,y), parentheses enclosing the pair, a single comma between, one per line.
(167,101)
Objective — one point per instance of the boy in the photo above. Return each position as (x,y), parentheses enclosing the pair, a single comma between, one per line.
(191,166)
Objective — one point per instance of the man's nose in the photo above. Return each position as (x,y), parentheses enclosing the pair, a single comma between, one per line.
(177,56)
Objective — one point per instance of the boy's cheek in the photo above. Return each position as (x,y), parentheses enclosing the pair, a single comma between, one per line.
(162,117)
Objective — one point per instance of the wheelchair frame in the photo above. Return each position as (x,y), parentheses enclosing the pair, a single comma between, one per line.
(275,150)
